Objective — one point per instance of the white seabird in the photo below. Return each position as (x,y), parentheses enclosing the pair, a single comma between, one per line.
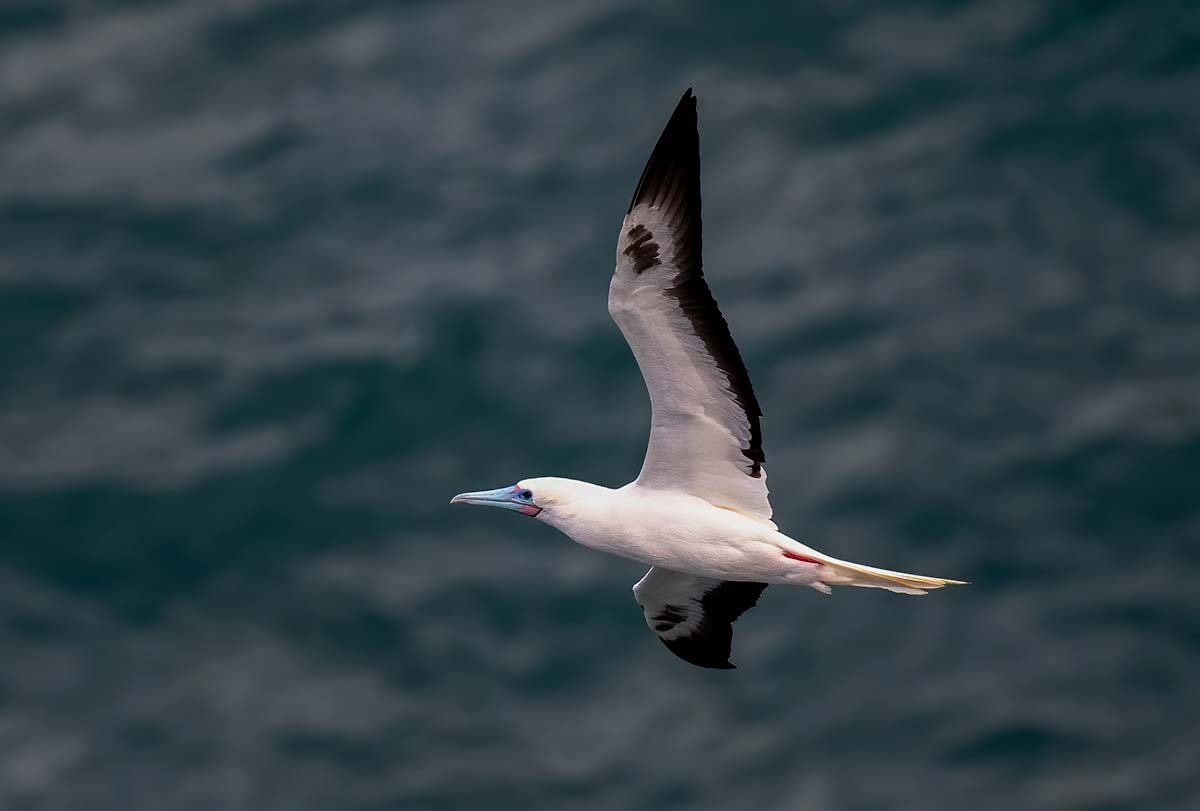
(698,513)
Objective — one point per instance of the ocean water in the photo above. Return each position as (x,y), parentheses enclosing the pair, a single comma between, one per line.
(279,278)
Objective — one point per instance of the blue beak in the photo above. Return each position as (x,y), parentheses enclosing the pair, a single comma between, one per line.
(501,497)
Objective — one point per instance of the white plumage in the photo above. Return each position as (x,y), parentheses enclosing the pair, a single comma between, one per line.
(698,513)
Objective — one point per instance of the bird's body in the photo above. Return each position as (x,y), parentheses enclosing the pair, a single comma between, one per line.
(673,530)
(698,513)
(677,531)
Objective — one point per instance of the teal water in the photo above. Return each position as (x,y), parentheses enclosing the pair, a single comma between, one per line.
(277,279)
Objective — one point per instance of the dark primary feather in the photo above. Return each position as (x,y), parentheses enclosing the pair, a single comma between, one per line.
(671,178)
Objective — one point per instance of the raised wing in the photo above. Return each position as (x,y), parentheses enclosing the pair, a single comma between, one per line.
(694,616)
(705,437)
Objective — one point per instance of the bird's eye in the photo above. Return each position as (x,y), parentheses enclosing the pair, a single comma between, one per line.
(526,494)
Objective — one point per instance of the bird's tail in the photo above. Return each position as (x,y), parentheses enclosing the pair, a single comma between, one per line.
(836,572)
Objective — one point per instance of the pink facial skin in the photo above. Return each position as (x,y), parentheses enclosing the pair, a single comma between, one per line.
(527,509)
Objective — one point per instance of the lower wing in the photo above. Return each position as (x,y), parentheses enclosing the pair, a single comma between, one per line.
(694,616)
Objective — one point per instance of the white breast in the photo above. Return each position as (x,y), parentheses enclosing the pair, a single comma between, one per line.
(669,529)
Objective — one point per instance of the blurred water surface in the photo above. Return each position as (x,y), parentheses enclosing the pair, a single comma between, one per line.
(278,278)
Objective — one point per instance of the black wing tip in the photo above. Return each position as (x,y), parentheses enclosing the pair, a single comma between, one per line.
(698,655)
(684,113)
(679,142)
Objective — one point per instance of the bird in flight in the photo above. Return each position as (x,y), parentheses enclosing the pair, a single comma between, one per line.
(698,513)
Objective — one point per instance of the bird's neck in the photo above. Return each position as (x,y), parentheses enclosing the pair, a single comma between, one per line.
(581,507)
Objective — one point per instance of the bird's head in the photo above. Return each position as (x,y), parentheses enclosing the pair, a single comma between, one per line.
(530,496)
(520,497)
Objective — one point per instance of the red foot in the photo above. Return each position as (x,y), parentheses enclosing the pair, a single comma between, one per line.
(802,558)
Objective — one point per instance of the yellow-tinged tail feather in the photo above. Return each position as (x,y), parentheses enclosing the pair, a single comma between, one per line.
(836,572)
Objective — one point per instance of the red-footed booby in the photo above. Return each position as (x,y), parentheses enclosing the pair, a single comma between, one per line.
(698,513)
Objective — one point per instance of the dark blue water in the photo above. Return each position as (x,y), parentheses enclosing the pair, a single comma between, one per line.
(277,279)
